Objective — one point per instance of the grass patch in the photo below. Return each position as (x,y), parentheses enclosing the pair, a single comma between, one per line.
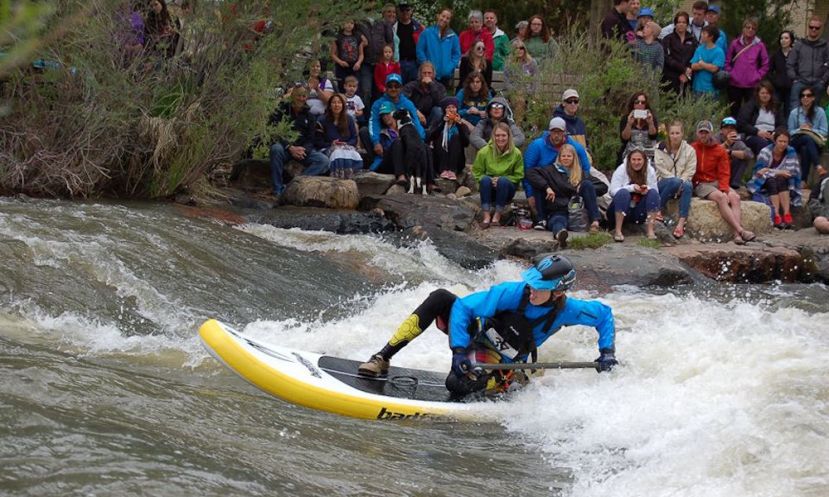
(591,241)
(648,243)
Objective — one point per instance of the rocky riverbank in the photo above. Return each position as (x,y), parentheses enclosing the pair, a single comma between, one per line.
(373,204)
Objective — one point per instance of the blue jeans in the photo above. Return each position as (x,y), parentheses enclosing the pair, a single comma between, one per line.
(315,164)
(558,221)
(434,118)
(669,188)
(809,154)
(639,212)
(408,68)
(503,193)
(587,191)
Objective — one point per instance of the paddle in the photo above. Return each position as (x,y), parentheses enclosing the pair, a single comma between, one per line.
(537,365)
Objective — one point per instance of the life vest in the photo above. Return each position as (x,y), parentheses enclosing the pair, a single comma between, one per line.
(510,333)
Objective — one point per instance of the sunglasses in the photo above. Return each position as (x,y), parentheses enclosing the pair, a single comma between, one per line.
(640,102)
(393,85)
(520,48)
(814,27)
(571,101)
(805,95)
(497,106)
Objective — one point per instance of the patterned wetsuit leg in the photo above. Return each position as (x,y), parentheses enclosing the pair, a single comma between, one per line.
(436,306)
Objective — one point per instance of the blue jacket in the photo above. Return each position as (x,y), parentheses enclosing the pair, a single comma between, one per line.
(541,153)
(444,53)
(402,103)
(507,297)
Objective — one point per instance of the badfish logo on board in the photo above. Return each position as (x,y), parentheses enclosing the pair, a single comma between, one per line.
(385,414)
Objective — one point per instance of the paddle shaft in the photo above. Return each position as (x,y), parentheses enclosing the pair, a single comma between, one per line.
(537,365)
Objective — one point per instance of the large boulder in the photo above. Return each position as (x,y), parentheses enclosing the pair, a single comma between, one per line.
(322,191)
(254,175)
(706,223)
(752,263)
(371,183)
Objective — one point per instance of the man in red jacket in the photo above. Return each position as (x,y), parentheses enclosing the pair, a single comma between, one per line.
(711,180)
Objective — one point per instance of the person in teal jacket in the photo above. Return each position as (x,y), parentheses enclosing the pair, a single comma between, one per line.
(440,45)
(498,168)
(393,88)
(504,324)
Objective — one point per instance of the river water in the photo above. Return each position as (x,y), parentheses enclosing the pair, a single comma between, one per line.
(105,389)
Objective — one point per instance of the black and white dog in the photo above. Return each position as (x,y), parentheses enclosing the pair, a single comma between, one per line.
(414,152)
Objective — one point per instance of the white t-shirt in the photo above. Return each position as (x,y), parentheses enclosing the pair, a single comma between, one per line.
(318,106)
(353,104)
(765,120)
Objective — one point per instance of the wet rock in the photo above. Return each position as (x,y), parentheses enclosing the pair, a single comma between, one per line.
(627,264)
(255,174)
(344,222)
(321,191)
(752,263)
(705,222)
(463,191)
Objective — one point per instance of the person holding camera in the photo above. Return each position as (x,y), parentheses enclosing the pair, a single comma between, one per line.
(448,138)
(738,152)
(639,127)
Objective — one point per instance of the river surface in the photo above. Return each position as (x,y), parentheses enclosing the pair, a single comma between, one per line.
(106,391)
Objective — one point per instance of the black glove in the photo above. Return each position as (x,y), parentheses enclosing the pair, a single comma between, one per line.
(460,362)
(606,360)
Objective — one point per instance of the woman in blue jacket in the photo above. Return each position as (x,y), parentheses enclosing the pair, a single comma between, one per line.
(440,45)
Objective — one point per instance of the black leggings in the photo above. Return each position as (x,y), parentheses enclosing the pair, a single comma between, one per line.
(776,184)
(449,160)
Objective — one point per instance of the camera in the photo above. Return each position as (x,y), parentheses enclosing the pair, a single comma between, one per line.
(640,114)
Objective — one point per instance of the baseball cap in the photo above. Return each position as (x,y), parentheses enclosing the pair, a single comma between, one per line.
(705,126)
(569,93)
(557,123)
(713,8)
(395,78)
(386,108)
(728,121)
(647,12)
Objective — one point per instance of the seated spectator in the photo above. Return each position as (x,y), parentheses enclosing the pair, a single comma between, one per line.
(397,101)
(476,32)
(639,127)
(302,149)
(556,185)
(347,52)
(426,94)
(474,61)
(647,50)
(808,127)
(540,44)
(353,103)
(759,117)
(159,31)
(498,168)
(568,110)
(819,202)
(679,48)
(439,45)
(336,136)
(399,154)
(473,99)
(448,139)
(776,179)
(747,61)
(712,181)
(497,110)
(778,74)
(675,162)
(383,68)
(543,151)
(320,89)
(635,194)
(708,59)
(738,152)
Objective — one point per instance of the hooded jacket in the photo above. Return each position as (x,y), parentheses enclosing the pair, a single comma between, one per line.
(502,49)
(468,38)
(575,125)
(302,122)
(751,66)
(712,165)
(683,166)
(808,62)
(483,130)
(402,103)
(556,177)
(541,153)
(509,165)
(444,53)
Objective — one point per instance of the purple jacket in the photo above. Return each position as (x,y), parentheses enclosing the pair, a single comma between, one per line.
(750,67)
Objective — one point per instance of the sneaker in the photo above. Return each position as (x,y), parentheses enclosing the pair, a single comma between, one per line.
(787,218)
(444,174)
(561,237)
(777,220)
(540,226)
(376,366)
(451,176)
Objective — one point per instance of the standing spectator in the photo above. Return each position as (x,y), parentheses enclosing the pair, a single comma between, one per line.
(448,138)
(675,162)
(497,111)
(426,94)
(697,22)
(498,168)
(539,43)
(159,32)
(808,127)
(648,50)
(632,14)
(384,68)
(475,32)
(378,34)
(639,127)
(475,61)
(645,16)
(738,152)
(712,17)
(320,88)
(500,41)
(707,60)
(635,194)
(711,181)
(336,136)
(353,103)
(522,29)
(615,24)
(408,31)
(679,47)
(397,101)
(439,45)
(778,74)
(808,64)
(776,179)
(473,99)
(748,62)
(302,149)
(759,117)
(568,110)
(347,52)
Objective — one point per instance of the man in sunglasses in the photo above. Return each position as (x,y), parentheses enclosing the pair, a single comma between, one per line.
(568,110)
(808,63)
(394,84)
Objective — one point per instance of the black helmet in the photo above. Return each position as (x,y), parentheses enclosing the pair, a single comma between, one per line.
(552,272)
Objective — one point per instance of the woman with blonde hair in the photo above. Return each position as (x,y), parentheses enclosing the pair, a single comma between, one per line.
(498,169)
(560,183)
